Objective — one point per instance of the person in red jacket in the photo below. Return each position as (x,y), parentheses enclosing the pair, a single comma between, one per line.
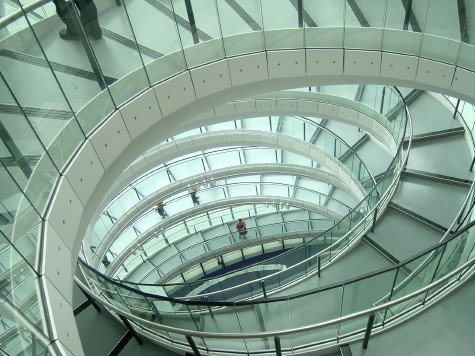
(241,228)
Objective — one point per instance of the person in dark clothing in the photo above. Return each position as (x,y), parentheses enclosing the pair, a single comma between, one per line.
(193,195)
(161,210)
(88,18)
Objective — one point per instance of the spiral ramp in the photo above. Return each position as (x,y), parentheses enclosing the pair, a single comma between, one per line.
(46,120)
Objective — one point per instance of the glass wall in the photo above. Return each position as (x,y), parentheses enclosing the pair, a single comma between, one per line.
(64,70)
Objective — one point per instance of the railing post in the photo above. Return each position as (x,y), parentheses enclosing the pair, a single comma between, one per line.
(278,349)
(131,329)
(374,219)
(300,12)
(367,333)
(209,306)
(191,20)
(318,265)
(263,289)
(456,109)
(405,26)
(193,345)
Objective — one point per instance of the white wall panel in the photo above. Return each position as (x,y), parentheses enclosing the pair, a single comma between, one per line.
(245,106)
(435,73)
(65,213)
(324,61)
(399,66)
(284,104)
(56,263)
(64,325)
(206,114)
(248,69)
(464,81)
(360,63)
(175,93)
(211,78)
(264,105)
(225,109)
(85,173)
(307,106)
(284,64)
(141,113)
(348,114)
(328,109)
(111,139)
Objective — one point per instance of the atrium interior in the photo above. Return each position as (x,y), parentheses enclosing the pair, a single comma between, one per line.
(237,177)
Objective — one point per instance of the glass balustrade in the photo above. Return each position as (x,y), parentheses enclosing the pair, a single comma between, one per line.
(301,128)
(363,293)
(73,86)
(221,192)
(190,241)
(354,220)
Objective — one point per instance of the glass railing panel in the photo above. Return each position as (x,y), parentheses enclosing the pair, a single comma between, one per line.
(22,232)
(285,18)
(22,342)
(363,294)
(326,14)
(72,63)
(451,256)
(47,112)
(162,55)
(420,273)
(149,220)
(226,344)
(362,37)
(21,290)
(242,17)
(27,154)
(439,48)
(204,15)
(315,308)
(194,251)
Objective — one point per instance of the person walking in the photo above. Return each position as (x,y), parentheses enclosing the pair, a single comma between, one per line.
(87,15)
(192,191)
(159,208)
(241,228)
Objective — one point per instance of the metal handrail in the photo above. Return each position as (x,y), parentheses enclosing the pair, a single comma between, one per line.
(373,310)
(185,196)
(369,213)
(176,162)
(24,9)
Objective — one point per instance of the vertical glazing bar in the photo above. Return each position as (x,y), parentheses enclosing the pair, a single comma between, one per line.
(191,20)
(382,101)
(319,261)
(300,12)
(209,306)
(391,294)
(87,46)
(263,289)
(407,15)
(15,151)
(435,272)
(192,343)
(374,219)
(367,333)
(131,329)
(278,349)
(456,109)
